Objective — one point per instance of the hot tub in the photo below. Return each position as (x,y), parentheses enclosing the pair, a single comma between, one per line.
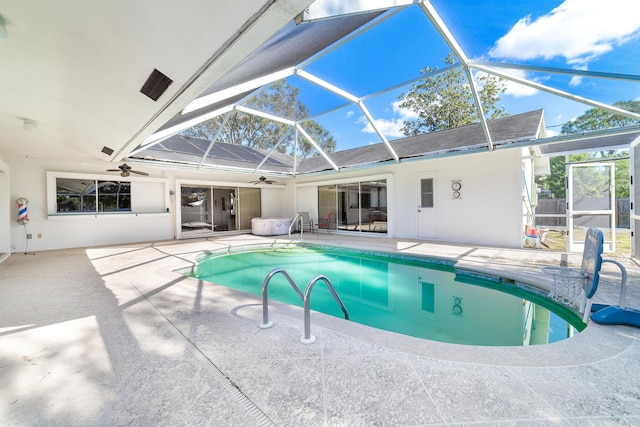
(270,226)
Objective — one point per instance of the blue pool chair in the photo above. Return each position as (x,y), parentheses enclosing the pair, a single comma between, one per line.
(568,283)
(590,274)
(616,314)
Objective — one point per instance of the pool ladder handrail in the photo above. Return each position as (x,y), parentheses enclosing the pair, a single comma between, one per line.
(307,338)
(298,217)
(266,323)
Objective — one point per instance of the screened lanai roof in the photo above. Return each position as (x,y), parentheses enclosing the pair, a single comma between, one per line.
(350,64)
(183,150)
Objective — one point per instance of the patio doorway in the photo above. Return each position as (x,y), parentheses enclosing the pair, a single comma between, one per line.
(591,203)
(427,206)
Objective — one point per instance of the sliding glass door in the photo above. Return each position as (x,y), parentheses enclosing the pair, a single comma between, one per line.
(357,206)
(210,209)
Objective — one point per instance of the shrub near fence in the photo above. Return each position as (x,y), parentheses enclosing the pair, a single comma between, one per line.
(559,207)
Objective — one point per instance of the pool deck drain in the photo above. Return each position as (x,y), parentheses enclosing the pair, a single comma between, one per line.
(115,336)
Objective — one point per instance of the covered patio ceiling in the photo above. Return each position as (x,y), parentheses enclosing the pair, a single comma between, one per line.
(341,59)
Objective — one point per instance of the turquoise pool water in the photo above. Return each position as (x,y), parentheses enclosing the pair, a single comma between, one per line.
(409,295)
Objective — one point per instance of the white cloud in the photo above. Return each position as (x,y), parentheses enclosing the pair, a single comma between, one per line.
(349,114)
(515,89)
(551,132)
(390,127)
(578,30)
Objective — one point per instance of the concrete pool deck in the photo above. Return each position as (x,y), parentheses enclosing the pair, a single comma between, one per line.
(115,336)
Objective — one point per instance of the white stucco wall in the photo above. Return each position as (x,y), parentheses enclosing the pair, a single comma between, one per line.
(29,179)
(488,213)
(5,208)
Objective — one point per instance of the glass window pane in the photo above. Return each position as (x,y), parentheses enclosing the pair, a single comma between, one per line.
(75,195)
(114,196)
(426,193)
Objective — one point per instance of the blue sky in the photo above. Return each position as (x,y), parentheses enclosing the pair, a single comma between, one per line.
(575,34)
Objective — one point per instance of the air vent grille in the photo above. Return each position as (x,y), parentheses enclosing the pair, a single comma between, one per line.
(156,85)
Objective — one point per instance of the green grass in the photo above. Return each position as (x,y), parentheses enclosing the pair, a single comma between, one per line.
(556,240)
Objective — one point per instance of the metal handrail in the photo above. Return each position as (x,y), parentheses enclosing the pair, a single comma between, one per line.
(623,281)
(308,338)
(299,218)
(265,298)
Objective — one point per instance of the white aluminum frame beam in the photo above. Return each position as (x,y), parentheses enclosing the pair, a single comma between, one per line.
(352,98)
(264,115)
(316,146)
(440,26)
(555,70)
(164,134)
(284,134)
(225,94)
(557,92)
(215,138)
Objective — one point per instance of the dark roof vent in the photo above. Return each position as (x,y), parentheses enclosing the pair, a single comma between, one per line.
(106,150)
(156,85)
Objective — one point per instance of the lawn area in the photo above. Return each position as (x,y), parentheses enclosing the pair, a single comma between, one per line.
(556,240)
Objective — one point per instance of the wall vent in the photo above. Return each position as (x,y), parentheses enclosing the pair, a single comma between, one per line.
(156,85)
(106,150)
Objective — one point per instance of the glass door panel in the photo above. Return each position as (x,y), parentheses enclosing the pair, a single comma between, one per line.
(591,203)
(373,206)
(195,209)
(248,205)
(327,201)
(348,207)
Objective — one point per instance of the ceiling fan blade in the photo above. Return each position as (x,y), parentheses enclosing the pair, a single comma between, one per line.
(138,172)
(113,170)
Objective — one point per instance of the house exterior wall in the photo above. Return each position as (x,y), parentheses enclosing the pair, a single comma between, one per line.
(488,213)
(5,208)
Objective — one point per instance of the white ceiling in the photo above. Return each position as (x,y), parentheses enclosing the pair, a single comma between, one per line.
(76,67)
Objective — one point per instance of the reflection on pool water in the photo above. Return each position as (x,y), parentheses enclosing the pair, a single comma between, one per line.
(409,295)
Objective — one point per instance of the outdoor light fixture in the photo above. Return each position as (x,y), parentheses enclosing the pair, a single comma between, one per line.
(29,125)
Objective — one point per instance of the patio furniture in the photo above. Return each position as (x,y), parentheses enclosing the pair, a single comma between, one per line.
(307,222)
(326,223)
(576,288)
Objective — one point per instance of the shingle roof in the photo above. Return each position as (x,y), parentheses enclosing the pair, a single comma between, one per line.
(504,131)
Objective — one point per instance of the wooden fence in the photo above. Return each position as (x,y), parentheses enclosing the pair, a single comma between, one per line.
(558,208)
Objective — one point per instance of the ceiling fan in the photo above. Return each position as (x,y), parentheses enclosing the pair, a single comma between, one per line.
(262,180)
(125,170)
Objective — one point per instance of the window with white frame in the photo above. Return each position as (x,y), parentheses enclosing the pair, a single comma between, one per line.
(75,195)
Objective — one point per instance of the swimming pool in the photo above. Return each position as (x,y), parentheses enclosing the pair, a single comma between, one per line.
(412,295)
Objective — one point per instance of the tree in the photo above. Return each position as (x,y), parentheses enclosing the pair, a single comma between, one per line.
(279,99)
(444,100)
(598,118)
